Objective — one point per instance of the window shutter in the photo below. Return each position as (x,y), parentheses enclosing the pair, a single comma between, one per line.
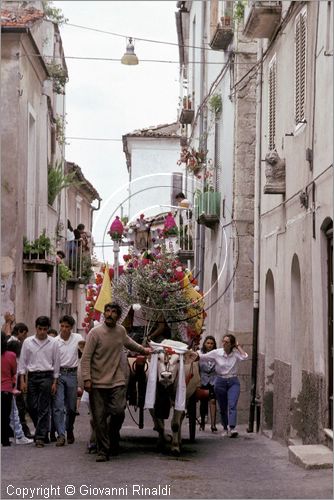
(213,16)
(300,69)
(272,104)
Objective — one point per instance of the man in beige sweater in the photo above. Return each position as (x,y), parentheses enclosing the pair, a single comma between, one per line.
(104,379)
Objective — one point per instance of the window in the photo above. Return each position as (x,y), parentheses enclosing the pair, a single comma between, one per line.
(78,211)
(31,175)
(300,67)
(272,90)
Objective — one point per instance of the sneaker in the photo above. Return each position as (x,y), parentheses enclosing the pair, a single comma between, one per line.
(234,433)
(102,458)
(39,443)
(60,441)
(225,433)
(70,438)
(24,440)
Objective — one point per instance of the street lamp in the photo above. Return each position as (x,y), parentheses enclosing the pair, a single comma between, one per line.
(130,57)
(116,233)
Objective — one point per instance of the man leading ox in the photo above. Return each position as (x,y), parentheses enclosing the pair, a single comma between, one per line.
(104,379)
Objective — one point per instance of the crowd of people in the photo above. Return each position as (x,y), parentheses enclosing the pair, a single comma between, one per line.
(43,374)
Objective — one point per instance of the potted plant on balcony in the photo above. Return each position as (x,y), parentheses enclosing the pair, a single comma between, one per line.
(187,102)
(37,249)
(37,253)
(43,245)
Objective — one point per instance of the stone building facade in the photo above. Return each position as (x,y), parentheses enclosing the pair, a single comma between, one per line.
(295,174)
(216,59)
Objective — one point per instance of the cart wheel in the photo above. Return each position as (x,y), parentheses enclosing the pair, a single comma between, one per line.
(191,408)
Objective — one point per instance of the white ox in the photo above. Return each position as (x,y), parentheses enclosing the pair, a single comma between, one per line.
(172,379)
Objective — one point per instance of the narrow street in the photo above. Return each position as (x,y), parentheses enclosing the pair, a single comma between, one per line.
(251,466)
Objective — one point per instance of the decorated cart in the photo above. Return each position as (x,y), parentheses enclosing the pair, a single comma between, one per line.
(156,288)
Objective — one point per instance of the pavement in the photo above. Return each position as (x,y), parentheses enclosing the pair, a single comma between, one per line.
(214,467)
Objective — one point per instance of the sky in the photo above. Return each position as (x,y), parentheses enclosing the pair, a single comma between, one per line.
(106,99)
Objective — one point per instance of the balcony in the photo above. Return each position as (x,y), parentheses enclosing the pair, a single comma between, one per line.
(223,34)
(41,262)
(207,209)
(262,19)
(185,224)
(79,262)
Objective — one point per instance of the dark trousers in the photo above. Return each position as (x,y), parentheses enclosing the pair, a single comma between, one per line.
(38,400)
(6,407)
(22,409)
(107,406)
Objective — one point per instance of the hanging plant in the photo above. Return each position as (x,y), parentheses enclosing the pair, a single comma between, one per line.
(215,104)
(59,77)
(239,9)
(53,13)
(193,160)
(65,272)
(58,180)
(60,130)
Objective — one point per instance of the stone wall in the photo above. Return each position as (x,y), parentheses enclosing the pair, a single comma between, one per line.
(309,410)
(281,401)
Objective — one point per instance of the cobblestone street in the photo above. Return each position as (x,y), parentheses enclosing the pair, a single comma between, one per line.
(251,466)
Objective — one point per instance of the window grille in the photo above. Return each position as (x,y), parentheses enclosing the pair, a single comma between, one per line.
(300,67)
(272,103)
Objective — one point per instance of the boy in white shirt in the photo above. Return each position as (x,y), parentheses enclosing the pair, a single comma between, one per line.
(65,399)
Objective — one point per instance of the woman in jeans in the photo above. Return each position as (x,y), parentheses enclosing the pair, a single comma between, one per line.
(227,385)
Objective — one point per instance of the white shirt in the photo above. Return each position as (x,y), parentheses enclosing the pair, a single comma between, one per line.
(139,318)
(69,350)
(70,235)
(226,364)
(38,355)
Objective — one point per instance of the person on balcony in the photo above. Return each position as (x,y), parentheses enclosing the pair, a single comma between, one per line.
(70,245)
(81,237)
(185,217)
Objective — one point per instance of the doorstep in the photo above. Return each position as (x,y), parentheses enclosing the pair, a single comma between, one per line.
(311,456)
(329,438)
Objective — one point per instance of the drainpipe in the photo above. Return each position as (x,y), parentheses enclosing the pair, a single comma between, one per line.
(257,240)
(203,140)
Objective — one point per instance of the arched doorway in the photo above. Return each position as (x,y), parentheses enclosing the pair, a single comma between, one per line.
(327,228)
(270,328)
(296,322)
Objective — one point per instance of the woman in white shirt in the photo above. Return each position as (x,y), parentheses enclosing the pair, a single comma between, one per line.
(227,385)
